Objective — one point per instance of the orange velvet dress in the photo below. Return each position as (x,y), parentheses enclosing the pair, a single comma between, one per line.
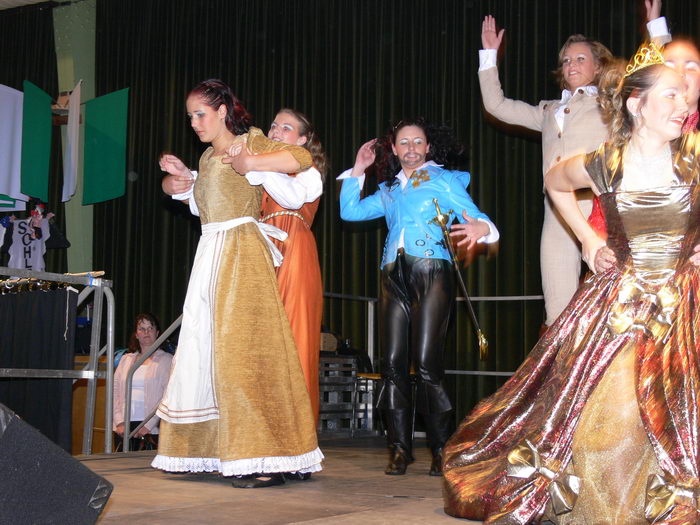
(300,285)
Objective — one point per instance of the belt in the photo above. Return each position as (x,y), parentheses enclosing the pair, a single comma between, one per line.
(286,212)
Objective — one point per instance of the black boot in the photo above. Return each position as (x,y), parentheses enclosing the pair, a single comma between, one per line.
(436,464)
(438,427)
(398,462)
(398,433)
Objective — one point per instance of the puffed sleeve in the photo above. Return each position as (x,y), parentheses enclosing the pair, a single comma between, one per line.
(259,143)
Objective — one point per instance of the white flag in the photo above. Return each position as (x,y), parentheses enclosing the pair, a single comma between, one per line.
(70,157)
(11,146)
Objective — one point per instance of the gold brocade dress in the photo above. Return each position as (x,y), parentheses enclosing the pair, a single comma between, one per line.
(236,401)
(601,423)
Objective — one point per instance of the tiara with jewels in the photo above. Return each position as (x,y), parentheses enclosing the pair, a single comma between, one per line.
(647,55)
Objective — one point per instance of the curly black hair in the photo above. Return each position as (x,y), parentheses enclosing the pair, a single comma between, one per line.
(444,148)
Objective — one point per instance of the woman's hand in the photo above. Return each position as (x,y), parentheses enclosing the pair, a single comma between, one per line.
(490,39)
(174,166)
(590,247)
(653,8)
(179,178)
(240,159)
(141,432)
(364,158)
(604,260)
(469,232)
(695,258)
(176,184)
(120,429)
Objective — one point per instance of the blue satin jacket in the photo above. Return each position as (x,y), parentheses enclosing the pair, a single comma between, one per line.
(411,209)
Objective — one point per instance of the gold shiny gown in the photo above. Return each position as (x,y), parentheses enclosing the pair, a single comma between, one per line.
(236,401)
(601,423)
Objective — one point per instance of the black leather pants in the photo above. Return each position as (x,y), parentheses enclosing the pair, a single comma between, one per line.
(417,300)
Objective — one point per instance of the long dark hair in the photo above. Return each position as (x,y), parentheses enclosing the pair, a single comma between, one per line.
(134,345)
(214,93)
(313,143)
(444,148)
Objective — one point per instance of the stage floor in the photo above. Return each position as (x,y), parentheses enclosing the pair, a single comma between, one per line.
(352,489)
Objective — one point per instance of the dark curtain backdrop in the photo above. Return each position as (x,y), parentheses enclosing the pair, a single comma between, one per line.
(28,52)
(353,67)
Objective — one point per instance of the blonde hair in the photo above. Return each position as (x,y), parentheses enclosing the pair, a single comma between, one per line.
(601,56)
(313,143)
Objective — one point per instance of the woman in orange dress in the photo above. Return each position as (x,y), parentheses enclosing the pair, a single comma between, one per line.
(290,203)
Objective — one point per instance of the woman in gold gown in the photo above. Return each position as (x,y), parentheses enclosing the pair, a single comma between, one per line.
(236,401)
(600,423)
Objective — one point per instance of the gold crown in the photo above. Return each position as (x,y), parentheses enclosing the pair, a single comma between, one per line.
(647,55)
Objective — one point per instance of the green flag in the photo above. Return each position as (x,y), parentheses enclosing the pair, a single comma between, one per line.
(105,147)
(36,142)
(6,202)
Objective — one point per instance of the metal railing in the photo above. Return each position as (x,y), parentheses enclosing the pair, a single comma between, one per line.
(101,288)
(371,322)
(371,351)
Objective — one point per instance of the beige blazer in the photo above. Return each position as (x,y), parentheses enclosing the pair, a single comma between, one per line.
(584,129)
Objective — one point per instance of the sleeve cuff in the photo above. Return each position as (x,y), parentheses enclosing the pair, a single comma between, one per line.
(658,29)
(487,58)
(189,194)
(347,174)
(493,235)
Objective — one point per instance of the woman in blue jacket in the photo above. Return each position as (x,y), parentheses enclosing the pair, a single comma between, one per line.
(417,283)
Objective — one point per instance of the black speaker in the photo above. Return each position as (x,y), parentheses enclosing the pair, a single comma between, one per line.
(40,484)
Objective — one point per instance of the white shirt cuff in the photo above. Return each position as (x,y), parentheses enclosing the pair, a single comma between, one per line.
(488,58)
(658,28)
(347,174)
(493,235)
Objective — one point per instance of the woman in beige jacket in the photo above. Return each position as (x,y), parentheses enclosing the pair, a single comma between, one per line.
(570,126)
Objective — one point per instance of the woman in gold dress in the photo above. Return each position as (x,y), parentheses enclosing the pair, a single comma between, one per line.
(236,402)
(600,423)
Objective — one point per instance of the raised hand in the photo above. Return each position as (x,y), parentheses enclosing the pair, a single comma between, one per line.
(653,8)
(364,158)
(490,39)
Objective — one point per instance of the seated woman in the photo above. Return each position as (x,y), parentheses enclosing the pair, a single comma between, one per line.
(147,387)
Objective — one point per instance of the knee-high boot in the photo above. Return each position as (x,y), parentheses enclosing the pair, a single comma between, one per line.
(438,428)
(399,438)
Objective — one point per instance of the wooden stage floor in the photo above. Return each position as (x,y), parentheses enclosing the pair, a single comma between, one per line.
(352,489)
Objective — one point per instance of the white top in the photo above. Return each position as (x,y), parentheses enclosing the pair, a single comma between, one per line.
(289,192)
(137,395)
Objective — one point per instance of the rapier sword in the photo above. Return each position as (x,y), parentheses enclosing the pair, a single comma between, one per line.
(442,219)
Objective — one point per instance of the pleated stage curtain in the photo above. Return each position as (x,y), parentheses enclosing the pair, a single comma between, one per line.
(38,331)
(353,67)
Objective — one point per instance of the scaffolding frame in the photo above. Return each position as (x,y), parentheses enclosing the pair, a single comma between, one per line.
(102,290)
